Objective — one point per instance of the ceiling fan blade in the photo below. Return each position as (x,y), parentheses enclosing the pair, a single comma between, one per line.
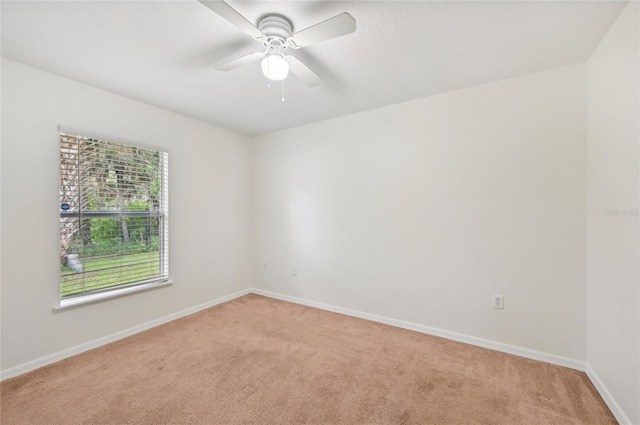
(230,14)
(237,62)
(331,28)
(303,72)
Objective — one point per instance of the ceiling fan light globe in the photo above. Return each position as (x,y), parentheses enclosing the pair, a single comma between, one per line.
(275,67)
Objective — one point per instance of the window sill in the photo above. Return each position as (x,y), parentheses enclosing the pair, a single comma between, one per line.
(72,303)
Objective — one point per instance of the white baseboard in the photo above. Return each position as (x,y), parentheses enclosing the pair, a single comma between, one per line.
(607,397)
(480,342)
(61,355)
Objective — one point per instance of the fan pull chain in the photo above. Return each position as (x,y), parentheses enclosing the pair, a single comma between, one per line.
(283,90)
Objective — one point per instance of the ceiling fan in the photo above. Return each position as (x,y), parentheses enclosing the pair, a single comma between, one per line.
(275,33)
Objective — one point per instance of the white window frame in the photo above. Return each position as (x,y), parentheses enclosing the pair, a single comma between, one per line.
(135,287)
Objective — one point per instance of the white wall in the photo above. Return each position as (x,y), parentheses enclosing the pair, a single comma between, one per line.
(209,212)
(423,210)
(613,245)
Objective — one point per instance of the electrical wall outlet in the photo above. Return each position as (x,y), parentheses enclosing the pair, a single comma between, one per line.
(498,302)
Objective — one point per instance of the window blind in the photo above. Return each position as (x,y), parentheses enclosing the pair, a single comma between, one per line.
(114,224)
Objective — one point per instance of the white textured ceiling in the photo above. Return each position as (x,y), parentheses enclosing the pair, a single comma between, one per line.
(164,52)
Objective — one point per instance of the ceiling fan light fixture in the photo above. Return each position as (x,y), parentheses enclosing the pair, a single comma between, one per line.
(275,67)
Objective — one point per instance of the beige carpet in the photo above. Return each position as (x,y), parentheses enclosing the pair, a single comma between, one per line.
(256,360)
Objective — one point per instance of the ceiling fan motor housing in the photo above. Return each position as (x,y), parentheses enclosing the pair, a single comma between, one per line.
(275,26)
(276,30)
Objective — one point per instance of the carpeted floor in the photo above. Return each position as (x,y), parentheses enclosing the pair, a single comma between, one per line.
(256,360)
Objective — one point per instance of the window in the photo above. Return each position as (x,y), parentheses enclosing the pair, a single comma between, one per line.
(113,218)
